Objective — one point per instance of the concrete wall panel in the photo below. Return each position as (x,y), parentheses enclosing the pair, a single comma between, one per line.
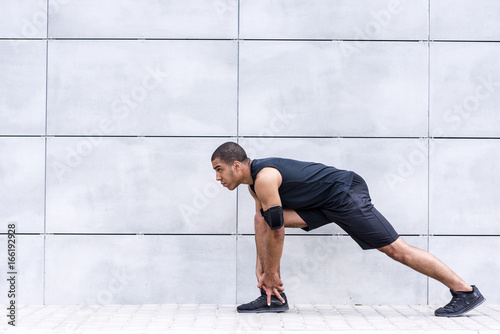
(23,19)
(465,86)
(144,269)
(465,20)
(333,89)
(463,190)
(22,192)
(167,88)
(22,87)
(337,19)
(150,19)
(148,185)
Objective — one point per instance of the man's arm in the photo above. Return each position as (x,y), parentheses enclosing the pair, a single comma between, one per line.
(266,187)
(259,239)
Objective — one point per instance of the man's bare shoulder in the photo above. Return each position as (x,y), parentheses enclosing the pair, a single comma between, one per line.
(268,176)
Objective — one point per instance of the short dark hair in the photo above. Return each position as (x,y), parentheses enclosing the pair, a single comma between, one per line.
(230,152)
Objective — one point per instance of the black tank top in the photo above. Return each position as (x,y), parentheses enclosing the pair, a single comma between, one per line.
(306,185)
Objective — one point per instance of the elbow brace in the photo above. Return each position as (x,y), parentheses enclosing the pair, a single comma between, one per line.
(274,217)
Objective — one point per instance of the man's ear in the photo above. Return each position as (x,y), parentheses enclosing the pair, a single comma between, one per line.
(237,165)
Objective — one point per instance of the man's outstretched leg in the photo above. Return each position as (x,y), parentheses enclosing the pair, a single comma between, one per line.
(465,296)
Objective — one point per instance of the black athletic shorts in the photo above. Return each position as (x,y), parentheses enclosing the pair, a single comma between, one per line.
(356,215)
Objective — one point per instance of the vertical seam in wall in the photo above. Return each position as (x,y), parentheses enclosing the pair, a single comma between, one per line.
(237,140)
(428,134)
(45,141)
(238,79)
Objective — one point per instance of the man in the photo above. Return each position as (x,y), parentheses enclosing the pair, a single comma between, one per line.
(290,193)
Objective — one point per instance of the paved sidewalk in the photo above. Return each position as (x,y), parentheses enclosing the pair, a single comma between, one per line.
(302,318)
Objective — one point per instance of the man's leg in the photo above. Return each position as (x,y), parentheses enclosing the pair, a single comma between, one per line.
(261,230)
(291,218)
(260,245)
(399,250)
(425,263)
(464,296)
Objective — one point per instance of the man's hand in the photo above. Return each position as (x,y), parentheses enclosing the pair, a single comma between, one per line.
(272,284)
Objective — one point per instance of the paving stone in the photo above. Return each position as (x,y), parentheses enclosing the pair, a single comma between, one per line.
(224,319)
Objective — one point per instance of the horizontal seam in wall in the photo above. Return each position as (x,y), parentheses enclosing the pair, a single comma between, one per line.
(241,137)
(245,39)
(242,234)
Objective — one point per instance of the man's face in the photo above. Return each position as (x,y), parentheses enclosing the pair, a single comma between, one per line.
(224,173)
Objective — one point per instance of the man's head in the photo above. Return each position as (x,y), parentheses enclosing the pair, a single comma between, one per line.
(229,161)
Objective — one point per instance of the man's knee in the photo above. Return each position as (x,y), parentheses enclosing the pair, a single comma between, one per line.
(396,250)
(259,220)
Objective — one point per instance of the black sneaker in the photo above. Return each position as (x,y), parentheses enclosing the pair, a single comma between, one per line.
(461,303)
(259,305)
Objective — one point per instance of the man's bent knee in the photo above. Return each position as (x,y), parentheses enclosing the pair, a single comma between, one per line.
(292,219)
(395,250)
(259,221)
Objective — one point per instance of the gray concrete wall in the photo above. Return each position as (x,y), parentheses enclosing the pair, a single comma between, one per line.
(109,112)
